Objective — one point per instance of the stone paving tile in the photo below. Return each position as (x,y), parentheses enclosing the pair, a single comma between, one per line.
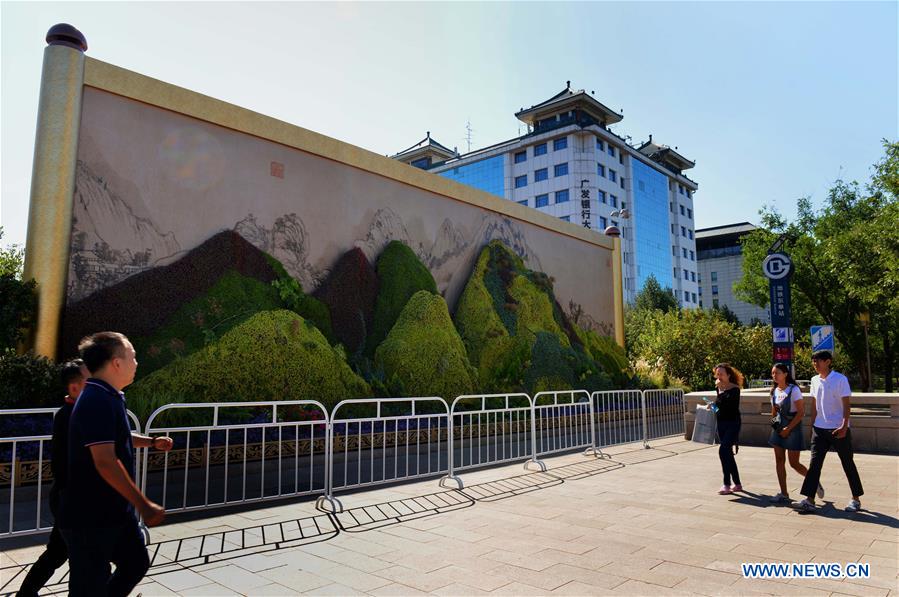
(180,580)
(236,579)
(458,590)
(412,578)
(299,580)
(396,589)
(148,588)
(516,588)
(334,589)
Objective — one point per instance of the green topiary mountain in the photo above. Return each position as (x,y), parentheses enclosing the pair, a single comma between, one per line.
(608,353)
(514,331)
(400,275)
(423,351)
(273,355)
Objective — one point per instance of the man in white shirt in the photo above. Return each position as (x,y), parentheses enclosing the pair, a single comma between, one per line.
(830,411)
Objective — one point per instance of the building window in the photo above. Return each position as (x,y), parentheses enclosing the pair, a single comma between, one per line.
(694,296)
(601,170)
(423,163)
(689,193)
(684,252)
(700,291)
(682,211)
(521,156)
(683,231)
(600,145)
(621,158)
(680,189)
(672,229)
(692,256)
(693,276)
(612,175)
(565,218)
(541,174)
(686,275)
(621,180)
(700,303)
(673,251)
(523,202)
(560,169)
(562,196)
(611,151)
(601,195)
(690,234)
(540,149)
(560,143)
(689,213)
(521,181)
(714,289)
(675,272)
(541,200)
(624,205)
(714,303)
(613,200)
(714,276)
(671,207)
(602,220)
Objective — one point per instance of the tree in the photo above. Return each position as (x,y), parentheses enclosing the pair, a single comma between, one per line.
(17,298)
(12,259)
(653,296)
(846,258)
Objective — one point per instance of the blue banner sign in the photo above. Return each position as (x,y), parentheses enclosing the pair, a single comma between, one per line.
(822,337)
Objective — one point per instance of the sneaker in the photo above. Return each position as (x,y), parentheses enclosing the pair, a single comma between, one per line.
(737,487)
(853,506)
(820,492)
(806,507)
(779,498)
(725,490)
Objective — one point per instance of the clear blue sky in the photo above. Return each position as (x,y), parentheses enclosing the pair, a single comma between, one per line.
(773,100)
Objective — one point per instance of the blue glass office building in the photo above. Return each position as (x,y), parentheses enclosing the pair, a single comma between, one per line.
(651,233)
(486,174)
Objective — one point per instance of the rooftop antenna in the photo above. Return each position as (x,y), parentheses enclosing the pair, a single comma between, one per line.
(468,132)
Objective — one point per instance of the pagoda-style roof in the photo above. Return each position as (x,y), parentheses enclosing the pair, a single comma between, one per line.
(665,155)
(427,149)
(569,99)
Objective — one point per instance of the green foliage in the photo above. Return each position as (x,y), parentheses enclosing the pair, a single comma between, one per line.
(307,307)
(400,275)
(273,355)
(846,258)
(230,301)
(423,351)
(28,381)
(12,258)
(17,309)
(606,351)
(653,296)
(687,344)
(516,335)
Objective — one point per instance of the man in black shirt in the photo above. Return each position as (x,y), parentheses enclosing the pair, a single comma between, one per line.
(74,374)
(98,517)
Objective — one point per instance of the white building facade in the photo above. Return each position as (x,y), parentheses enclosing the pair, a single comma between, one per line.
(571,166)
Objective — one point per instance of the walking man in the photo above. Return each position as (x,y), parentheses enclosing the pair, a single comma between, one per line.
(73,374)
(830,410)
(98,521)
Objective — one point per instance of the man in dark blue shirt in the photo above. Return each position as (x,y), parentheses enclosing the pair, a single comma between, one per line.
(73,374)
(98,517)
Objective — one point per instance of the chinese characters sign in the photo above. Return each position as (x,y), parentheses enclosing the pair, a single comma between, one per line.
(585,208)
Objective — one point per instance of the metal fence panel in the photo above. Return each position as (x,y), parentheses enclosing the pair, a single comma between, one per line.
(619,417)
(664,413)
(25,474)
(373,441)
(564,421)
(235,453)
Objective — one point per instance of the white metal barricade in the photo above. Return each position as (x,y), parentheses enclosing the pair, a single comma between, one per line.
(27,458)
(619,417)
(564,421)
(488,429)
(381,442)
(242,452)
(664,413)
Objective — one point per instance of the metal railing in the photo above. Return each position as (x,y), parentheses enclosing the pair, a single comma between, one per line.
(28,477)
(381,442)
(243,452)
(619,417)
(664,413)
(487,429)
(564,421)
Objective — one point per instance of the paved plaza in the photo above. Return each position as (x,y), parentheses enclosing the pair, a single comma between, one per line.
(641,522)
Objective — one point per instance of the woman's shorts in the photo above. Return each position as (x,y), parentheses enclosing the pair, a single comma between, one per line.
(794,441)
